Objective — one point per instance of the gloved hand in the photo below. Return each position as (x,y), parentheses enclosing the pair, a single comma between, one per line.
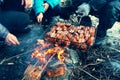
(83,9)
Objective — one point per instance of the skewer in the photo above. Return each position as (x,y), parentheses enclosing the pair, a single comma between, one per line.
(4,60)
(45,65)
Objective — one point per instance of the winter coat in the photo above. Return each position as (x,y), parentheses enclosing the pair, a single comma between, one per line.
(98,4)
(38,5)
(3,31)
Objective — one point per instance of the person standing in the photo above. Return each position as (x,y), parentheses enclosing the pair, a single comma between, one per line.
(108,12)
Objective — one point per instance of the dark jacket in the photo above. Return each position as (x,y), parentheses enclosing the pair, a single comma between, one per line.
(3,31)
(98,4)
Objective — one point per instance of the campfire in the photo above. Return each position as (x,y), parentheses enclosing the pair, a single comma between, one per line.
(53,48)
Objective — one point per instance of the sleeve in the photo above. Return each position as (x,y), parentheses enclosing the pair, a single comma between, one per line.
(38,6)
(97,4)
(53,3)
(3,31)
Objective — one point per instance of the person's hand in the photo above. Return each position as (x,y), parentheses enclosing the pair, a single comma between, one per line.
(40,17)
(28,3)
(46,6)
(11,39)
(83,9)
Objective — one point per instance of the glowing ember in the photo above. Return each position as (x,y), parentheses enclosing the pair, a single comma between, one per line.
(39,56)
(32,73)
(57,72)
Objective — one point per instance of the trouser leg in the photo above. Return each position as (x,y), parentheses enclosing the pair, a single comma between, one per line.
(107,17)
(14,21)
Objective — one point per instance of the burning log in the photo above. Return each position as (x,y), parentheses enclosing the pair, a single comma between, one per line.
(32,73)
(57,72)
(61,35)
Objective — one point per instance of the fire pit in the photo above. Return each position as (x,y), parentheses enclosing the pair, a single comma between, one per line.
(53,53)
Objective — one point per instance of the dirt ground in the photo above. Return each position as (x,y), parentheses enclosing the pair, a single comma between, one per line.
(98,63)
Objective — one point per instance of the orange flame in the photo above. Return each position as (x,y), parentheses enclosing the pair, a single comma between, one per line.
(56,50)
(42,55)
(60,55)
(38,55)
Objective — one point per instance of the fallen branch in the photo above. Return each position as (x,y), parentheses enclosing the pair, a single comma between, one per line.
(4,60)
(89,74)
(114,49)
(91,64)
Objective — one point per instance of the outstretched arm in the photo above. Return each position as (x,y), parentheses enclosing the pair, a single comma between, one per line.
(9,38)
